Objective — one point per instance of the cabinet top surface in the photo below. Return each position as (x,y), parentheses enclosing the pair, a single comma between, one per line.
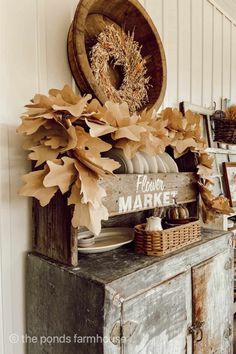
(109,266)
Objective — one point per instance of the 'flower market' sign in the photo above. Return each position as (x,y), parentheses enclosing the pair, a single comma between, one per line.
(139,192)
(149,194)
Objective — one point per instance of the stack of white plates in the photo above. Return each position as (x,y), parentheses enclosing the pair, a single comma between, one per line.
(109,239)
(142,163)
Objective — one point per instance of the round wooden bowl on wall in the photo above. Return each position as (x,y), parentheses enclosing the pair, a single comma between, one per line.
(91,18)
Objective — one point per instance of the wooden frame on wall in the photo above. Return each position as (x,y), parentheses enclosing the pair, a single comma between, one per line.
(206,114)
(229,171)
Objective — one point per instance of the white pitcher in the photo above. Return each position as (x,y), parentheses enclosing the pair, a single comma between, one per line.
(153,224)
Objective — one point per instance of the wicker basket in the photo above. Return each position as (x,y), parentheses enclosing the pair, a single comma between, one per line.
(159,243)
(225,130)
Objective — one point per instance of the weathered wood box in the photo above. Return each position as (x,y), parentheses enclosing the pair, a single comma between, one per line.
(119,302)
(54,237)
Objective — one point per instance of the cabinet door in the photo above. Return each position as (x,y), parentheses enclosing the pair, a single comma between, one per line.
(213,305)
(160,319)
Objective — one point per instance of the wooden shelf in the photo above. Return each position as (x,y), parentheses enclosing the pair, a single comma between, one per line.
(221,151)
(53,235)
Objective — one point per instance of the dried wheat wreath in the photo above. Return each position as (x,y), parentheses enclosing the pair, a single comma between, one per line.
(116,47)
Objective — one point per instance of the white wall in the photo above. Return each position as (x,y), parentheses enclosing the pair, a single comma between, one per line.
(200,44)
(228,5)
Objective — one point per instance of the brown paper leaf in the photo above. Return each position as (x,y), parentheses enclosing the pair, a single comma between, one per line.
(67,94)
(221,205)
(204,171)
(160,127)
(153,145)
(205,165)
(34,187)
(176,121)
(208,214)
(89,150)
(148,116)
(131,132)
(193,120)
(130,148)
(75,110)
(41,101)
(61,176)
(54,142)
(182,146)
(30,126)
(93,108)
(206,195)
(87,143)
(86,214)
(97,130)
(90,189)
(206,160)
(212,205)
(71,139)
(101,166)
(118,114)
(43,153)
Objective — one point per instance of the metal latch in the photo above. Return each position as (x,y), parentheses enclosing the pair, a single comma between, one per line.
(229,264)
(196,331)
(121,333)
(228,331)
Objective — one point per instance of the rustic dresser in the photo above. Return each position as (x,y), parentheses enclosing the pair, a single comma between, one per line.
(123,303)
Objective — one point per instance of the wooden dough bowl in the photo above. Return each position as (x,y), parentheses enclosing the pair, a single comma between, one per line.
(91,18)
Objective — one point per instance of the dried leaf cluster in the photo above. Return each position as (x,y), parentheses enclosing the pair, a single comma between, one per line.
(211,206)
(148,131)
(66,136)
(231,112)
(116,48)
(69,157)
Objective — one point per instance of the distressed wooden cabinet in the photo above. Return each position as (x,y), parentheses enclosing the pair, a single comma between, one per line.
(122,303)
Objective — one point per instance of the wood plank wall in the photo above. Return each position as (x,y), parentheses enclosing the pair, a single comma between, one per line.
(200,44)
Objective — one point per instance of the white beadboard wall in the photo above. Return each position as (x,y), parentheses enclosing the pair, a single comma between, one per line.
(200,44)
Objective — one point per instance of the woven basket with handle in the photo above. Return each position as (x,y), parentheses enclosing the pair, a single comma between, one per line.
(159,243)
(225,130)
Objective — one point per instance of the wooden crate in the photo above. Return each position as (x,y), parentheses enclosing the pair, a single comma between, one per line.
(53,235)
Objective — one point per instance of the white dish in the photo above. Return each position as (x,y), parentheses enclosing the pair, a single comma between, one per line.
(169,162)
(152,162)
(145,164)
(110,239)
(138,164)
(130,168)
(161,166)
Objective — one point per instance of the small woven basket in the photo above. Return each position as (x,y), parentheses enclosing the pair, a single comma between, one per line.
(159,243)
(225,130)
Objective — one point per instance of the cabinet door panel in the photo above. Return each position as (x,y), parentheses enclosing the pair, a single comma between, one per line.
(213,304)
(161,315)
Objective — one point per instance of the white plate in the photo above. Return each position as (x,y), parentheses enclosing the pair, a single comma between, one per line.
(110,239)
(130,167)
(170,163)
(138,164)
(152,162)
(145,164)
(160,164)
(166,166)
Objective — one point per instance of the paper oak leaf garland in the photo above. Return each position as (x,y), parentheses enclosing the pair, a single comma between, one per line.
(66,135)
